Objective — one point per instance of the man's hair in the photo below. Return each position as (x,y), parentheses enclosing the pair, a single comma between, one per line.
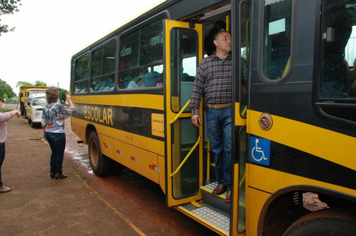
(217,33)
(52,94)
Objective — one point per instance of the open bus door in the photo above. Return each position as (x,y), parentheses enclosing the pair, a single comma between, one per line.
(184,142)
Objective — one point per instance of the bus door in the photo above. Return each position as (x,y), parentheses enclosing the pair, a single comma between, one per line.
(184,142)
(240,69)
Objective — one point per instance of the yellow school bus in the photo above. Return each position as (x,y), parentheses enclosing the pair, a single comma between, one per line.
(294,112)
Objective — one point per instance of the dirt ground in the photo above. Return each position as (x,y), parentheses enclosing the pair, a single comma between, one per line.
(38,205)
(134,196)
(118,204)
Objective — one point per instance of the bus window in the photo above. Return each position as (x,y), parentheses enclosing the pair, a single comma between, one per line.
(81,74)
(128,58)
(103,68)
(184,65)
(140,53)
(338,72)
(151,40)
(277,40)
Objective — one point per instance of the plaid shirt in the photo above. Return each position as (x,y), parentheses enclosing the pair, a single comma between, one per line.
(213,82)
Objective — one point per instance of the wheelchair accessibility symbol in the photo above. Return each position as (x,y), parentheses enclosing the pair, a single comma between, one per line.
(260,150)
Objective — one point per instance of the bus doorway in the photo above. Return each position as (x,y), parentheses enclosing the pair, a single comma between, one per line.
(190,171)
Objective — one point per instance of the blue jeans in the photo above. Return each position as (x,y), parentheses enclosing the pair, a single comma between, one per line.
(2,157)
(219,133)
(57,142)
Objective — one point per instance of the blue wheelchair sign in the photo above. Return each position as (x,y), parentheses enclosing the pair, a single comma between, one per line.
(260,150)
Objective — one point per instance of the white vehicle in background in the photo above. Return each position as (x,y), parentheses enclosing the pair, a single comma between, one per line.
(34,108)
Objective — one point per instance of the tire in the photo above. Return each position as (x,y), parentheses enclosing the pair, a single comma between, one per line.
(22,109)
(324,222)
(100,163)
(32,124)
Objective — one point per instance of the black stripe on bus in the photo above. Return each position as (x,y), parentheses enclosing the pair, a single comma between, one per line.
(293,161)
(129,119)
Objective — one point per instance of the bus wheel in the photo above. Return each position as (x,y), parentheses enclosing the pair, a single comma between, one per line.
(99,163)
(324,222)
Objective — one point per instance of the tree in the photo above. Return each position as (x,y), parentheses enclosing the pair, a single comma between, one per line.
(8,7)
(23,83)
(5,97)
(5,89)
(40,83)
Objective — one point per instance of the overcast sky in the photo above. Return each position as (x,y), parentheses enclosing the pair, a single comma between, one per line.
(49,32)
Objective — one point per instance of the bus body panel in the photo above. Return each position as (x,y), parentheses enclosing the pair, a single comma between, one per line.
(139,160)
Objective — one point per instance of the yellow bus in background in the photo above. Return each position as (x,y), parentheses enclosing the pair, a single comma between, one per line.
(25,92)
(294,113)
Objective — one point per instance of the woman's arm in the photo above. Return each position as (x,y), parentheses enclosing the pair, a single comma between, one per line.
(69,100)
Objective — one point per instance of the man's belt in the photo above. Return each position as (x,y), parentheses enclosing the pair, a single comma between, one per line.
(219,106)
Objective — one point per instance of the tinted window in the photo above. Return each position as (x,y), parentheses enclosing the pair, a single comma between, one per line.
(103,68)
(141,57)
(183,66)
(277,38)
(81,83)
(337,90)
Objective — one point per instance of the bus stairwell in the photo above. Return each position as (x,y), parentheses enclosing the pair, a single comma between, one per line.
(210,210)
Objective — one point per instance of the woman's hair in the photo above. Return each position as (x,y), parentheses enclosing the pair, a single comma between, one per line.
(52,94)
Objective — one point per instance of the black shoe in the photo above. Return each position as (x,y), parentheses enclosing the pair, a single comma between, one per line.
(52,175)
(60,176)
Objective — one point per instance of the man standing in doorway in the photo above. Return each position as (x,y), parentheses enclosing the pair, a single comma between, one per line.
(213,82)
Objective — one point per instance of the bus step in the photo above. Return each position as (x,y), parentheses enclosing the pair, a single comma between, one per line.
(213,219)
(215,201)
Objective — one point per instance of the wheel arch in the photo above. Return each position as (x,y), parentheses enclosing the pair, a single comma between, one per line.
(90,128)
(285,206)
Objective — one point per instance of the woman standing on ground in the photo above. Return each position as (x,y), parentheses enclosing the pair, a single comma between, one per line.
(53,117)
(4,118)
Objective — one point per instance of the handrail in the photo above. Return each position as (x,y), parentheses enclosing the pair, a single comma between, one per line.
(185,158)
(247,39)
(208,162)
(243,113)
(179,113)
(242,180)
